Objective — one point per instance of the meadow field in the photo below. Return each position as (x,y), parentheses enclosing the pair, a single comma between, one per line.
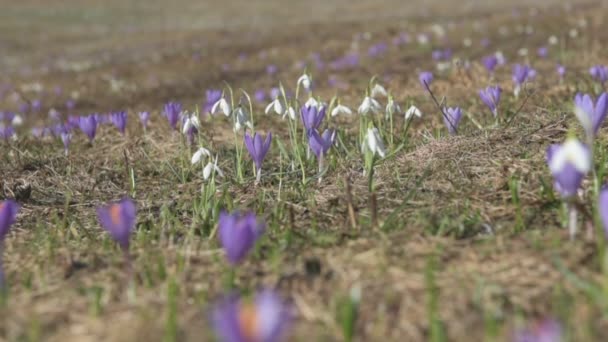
(266,171)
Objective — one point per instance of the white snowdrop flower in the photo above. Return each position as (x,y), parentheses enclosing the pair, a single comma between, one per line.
(241,119)
(374,142)
(276,106)
(573,33)
(438,30)
(211,168)
(467,42)
(582,22)
(392,107)
(368,105)
(413,110)
(572,152)
(553,40)
(311,102)
(17,120)
(341,109)
(290,112)
(189,122)
(443,66)
(379,90)
(422,39)
(221,106)
(305,81)
(500,57)
(522,52)
(198,155)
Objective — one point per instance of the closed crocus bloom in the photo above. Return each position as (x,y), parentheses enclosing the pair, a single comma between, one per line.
(568,163)
(143,118)
(258,148)
(265,319)
(491,96)
(119,120)
(547,330)
(172,112)
(603,208)
(238,234)
(561,70)
(591,115)
(490,62)
(452,118)
(369,105)
(312,116)
(8,215)
(321,143)
(521,73)
(425,78)
(118,219)
(599,73)
(373,142)
(88,125)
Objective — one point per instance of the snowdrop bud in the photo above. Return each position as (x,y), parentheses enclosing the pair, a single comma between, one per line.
(374,142)
(413,110)
(553,40)
(305,82)
(379,90)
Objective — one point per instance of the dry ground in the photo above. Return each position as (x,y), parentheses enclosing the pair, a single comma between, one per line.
(449,245)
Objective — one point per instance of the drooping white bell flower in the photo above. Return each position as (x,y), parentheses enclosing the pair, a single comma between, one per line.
(241,119)
(276,106)
(290,112)
(369,105)
(198,155)
(221,106)
(305,81)
(341,109)
(413,110)
(190,121)
(212,168)
(379,90)
(373,142)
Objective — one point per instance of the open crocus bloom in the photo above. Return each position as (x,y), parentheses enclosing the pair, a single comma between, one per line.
(569,163)
(547,330)
(265,319)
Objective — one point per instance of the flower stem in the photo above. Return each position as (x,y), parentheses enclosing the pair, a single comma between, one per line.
(572,220)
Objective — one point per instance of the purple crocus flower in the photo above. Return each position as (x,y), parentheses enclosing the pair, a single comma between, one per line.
(238,234)
(312,116)
(172,112)
(547,330)
(271,69)
(88,126)
(24,108)
(275,93)
(265,319)
(119,119)
(425,77)
(144,117)
(66,138)
(451,118)
(6,132)
(321,143)
(8,215)
(260,95)
(36,105)
(599,73)
(70,104)
(569,163)
(491,96)
(521,73)
(211,97)
(603,208)
(542,52)
(589,114)
(118,219)
(490,62)
(561,71)
(258,148)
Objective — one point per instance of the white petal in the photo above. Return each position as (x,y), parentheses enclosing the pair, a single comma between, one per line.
(578,155)
(278,107)
(196,157)
(413,110)
(584,119)
(305,82)
(225,106)
(269,107)
(379,90)
(311,102)
(186,126)
(365,106)
(215,107)
(17,120)
(340,109)
(207,170)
